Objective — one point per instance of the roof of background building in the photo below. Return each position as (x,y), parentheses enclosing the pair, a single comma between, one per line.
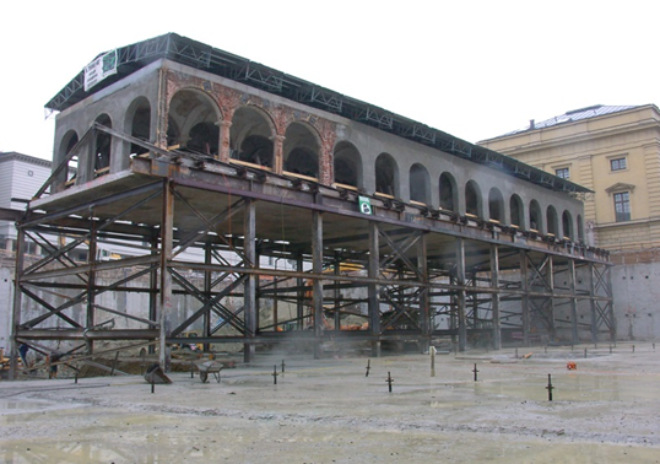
(14,155)
(206,58)
(572,116)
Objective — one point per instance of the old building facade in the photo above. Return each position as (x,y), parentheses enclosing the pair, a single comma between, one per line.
(614,151)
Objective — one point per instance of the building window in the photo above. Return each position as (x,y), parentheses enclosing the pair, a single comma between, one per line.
(564,173)
(618,164)
(622,206)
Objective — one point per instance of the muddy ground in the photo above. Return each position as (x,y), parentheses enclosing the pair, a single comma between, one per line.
(329,411)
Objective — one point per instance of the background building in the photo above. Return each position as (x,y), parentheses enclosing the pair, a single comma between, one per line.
(615,152)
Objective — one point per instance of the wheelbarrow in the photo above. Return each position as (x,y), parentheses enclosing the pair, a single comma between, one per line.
(207,368)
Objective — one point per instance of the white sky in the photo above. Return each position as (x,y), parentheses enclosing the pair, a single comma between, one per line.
(474,69)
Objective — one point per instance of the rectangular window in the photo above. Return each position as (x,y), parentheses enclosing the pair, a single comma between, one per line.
(618,164)
(564,173)
(622,206)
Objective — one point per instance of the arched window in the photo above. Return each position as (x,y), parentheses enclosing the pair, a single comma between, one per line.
(495,205)
(517,214)
(472,199)
(348,165)
(301,151)
(102,147)
(535,216)
(193,123)
(580,226)
(448,199)
(551,215)
(387,175)
(139,121)
(420,184)
(69,140)
(567,224)
(251,138)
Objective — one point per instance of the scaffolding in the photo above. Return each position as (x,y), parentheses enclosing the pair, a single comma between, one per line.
(261,259)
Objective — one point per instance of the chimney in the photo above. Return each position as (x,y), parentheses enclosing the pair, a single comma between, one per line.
(532,124)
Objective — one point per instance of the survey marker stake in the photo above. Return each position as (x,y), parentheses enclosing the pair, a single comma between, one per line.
(389,381)
(368,367)
(549,388)
(275,374)
(283,366)
(475,370)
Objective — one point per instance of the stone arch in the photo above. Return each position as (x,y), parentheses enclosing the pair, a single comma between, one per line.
(387,175)
(138,122)
(102,146)
(448,197)
(420,184)
(552,224)
(495,205)
(580,228)
(192,125)
(301,150)
(516,209)
(348,165)
(473,201)
(535,216)
(251,137)
(567,224)
(67,143)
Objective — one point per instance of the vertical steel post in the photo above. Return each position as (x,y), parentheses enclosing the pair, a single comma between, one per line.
(574,302)
(460,280)
(550,278)
(206,317)
(524,286)
(91,282)
(18,298)
(165,300)
(372,289)
(153,287)
(300,303)
(495,296)
(424,310)
(249,296)
(592,300)
(317,283)
(608,270)
(337,292)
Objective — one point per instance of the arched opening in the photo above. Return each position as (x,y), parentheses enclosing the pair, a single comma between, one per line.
(472,199)
(420,184)
(193,123)
(69,140)
(102,147)
(495,205)
(387,175)
(139,121)
(301,151)
(567,224)
(251,137)
(580,226)
(448,198)
(551,217)
(535,217)
(348,165)
(516,208)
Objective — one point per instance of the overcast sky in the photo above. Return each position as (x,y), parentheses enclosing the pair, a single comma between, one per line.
(474,69)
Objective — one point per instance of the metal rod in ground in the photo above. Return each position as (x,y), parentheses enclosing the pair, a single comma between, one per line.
(283,366)
(549,387)
(192,369)
(432,353)
(366,374)
(114,364)
(390,380)
(153,386)
(275,374)
(475,370)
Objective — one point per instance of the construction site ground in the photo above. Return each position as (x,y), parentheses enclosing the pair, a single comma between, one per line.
(329,411)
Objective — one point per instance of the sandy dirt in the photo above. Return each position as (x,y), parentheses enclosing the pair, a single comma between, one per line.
(329,411)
